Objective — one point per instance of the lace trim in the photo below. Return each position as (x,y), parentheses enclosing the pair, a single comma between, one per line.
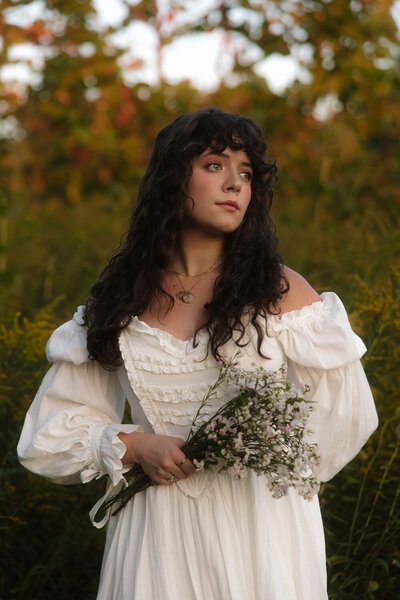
(172,345)
(185,419)
(298,319)
(197,485)
(124,347)
(158,366)
(180,413)
(188,364)
(179,395)
(112,449)
(146,360)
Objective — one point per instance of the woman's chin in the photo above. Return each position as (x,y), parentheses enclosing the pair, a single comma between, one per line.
(215,229)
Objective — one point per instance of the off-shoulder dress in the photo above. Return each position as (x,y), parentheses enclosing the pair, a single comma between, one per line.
(209,537)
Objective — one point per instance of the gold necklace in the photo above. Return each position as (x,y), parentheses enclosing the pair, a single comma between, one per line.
(187,296)
(214,266)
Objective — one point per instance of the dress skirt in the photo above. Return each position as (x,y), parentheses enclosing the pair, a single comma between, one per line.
(235,542)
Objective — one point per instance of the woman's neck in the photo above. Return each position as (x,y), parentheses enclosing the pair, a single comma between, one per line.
(196,254)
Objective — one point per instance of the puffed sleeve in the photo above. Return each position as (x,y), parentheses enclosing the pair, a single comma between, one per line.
(323,352)
(71,429)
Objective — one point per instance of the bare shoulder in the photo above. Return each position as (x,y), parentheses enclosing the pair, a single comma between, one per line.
(300,292)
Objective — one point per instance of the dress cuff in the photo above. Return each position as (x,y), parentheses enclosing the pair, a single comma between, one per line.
(107,451)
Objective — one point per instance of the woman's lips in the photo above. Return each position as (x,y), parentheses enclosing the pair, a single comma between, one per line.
(229,205)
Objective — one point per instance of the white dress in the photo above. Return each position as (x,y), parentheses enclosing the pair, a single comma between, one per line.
(209,537)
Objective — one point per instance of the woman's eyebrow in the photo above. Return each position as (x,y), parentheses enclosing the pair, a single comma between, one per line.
(243,163)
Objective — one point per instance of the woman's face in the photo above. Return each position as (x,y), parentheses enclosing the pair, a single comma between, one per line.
(219,191)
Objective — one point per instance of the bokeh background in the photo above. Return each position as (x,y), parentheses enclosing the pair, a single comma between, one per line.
(85,86)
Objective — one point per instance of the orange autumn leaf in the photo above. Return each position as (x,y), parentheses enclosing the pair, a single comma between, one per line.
(38,33)
(136,63)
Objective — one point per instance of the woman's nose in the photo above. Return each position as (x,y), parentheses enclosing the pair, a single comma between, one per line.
(233,182)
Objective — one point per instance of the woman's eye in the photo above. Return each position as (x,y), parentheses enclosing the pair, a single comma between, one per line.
(213,166)
(246,175)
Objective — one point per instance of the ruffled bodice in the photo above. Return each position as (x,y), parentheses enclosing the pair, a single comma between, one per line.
(169,376)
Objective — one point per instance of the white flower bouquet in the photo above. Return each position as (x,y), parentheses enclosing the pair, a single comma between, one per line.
(263,428)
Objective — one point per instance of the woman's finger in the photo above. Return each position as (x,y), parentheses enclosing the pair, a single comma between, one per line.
(186,466)
(163,480)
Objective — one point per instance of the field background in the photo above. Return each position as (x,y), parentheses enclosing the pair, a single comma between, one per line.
(73,148)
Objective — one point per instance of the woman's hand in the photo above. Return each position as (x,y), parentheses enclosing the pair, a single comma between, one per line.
(160,456)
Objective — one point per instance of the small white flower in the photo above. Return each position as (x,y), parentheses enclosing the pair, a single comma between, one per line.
(199,464)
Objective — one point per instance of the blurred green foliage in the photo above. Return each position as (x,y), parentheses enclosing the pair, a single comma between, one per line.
(70,171)
(361,505)
(45,536)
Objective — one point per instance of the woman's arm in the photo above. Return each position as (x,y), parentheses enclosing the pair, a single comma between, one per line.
(70,430)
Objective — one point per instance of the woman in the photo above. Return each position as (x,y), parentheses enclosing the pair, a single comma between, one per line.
(198,278)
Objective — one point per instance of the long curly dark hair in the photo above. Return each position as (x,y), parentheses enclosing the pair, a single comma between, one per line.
(252,280)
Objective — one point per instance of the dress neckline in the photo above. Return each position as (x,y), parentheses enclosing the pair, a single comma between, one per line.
(165,334)
(288,320)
